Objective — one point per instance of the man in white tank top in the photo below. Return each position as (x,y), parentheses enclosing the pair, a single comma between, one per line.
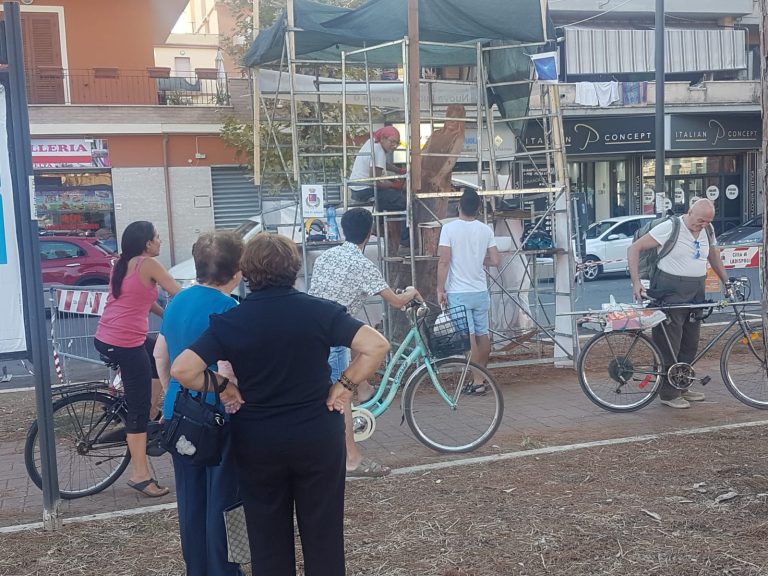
(680,277)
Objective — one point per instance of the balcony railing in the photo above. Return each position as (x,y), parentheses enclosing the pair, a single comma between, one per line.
(745,93)
(150,87)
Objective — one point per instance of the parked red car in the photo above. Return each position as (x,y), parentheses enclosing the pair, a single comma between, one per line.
(75,261)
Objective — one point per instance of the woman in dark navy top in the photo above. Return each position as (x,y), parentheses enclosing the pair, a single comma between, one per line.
(288,430)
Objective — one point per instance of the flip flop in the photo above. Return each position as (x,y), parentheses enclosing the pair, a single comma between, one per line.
(369,469)
(142,487)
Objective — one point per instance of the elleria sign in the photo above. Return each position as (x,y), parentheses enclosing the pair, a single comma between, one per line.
(12,333)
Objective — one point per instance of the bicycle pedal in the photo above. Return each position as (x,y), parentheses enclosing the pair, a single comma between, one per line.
(704,381)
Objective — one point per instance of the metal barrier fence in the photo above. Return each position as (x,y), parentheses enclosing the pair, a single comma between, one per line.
(75,313)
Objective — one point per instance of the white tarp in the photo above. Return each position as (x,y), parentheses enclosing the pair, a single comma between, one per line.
(383,94)
(12,337)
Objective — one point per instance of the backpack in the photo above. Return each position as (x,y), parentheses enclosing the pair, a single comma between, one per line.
(649,259)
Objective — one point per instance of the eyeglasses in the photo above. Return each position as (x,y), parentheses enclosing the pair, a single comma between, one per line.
(697,252)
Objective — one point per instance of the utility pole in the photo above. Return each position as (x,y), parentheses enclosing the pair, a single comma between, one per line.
(29,250)
(764,102)
(659,97)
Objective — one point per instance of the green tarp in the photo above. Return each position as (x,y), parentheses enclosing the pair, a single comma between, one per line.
(324,31)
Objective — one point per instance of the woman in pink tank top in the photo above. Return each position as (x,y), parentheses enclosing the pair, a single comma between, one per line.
(122,336)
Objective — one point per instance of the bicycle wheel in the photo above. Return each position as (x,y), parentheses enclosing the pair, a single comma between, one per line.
(463,428)
(620,371)
(91,450)
(743,367)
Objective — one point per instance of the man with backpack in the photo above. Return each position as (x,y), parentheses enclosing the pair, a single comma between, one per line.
(672,252)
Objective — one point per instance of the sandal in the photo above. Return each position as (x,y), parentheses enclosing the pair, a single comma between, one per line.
(369,469)
(143,488)
(472,389)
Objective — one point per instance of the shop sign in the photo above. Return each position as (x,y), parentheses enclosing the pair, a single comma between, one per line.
(714,132)
(600,135)
(713,193)
(12,334)
(69,153)
(732,192)
(679,196)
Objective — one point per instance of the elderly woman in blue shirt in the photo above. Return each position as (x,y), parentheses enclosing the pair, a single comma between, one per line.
(202,492)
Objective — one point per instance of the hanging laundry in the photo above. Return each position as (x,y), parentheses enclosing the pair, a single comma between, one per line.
(586,94)
(634,93)
(607,93)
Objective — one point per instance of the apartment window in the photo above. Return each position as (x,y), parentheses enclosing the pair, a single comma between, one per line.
(183,67)
(42,57)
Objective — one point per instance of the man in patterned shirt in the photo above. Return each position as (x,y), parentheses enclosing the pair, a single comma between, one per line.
(343,274)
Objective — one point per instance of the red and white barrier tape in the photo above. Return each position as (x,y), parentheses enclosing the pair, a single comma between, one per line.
(56,359)
(81,301)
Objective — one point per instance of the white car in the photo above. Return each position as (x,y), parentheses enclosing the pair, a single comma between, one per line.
(607,243)
(184,272)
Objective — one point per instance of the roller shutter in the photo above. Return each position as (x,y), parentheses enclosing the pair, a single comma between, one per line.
(235,197)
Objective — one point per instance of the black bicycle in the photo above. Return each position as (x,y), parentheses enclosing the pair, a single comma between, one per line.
(621,370)
(89,438)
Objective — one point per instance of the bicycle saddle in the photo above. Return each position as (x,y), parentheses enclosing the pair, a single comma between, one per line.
(109,362)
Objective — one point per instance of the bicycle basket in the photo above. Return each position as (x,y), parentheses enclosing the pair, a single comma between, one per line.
(447,332)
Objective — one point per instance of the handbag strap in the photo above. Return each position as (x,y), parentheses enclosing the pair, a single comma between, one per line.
(212,381)
(209,381)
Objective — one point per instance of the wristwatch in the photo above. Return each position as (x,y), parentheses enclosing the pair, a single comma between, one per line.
(223,384)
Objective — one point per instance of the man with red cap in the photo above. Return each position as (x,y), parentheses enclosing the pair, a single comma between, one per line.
(371,161)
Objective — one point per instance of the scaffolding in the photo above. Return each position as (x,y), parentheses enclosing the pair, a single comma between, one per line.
(347,98)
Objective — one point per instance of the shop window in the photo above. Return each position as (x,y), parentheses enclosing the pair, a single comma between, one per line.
(78,203)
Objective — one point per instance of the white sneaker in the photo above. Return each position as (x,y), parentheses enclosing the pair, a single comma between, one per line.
(692,396)
(679,402)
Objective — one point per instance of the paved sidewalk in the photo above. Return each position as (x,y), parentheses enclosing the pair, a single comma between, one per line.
(543,406)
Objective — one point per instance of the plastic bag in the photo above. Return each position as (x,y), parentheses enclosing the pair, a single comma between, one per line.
(629,316)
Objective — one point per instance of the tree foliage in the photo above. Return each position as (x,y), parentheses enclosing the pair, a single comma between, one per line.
(321,147)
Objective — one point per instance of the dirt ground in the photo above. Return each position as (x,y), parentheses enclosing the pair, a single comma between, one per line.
(691,505)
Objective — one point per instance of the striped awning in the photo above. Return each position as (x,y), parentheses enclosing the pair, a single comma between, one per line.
(601,51)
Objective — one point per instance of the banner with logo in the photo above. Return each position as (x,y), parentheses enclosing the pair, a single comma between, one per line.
(12,335)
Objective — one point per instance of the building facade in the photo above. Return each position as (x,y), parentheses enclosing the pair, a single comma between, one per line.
(118,134)
(713,132)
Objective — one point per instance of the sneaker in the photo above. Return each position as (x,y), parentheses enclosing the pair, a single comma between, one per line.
(692,396)
(472,389)
(678,402)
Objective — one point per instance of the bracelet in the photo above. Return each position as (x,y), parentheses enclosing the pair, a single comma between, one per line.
(223,384)
(347,383)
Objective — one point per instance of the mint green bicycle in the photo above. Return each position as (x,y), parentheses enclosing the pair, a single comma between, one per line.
(444,407)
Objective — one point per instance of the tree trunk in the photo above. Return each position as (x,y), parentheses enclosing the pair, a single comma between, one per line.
(436,174)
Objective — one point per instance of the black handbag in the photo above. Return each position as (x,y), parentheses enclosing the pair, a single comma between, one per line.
(197,430)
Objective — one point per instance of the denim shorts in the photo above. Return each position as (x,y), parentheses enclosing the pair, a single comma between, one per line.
(338,360)
(477,304)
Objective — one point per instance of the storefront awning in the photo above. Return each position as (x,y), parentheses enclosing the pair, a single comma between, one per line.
(599,51)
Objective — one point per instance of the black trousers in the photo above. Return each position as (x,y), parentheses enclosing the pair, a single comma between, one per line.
(283,465)
(137,368)
(682,332)
(389,200)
